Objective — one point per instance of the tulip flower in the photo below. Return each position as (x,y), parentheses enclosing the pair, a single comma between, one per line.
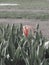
(26,30)
(46,45)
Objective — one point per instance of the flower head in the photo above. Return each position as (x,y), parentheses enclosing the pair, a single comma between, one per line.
(8,56)
(26,30)
(46,45)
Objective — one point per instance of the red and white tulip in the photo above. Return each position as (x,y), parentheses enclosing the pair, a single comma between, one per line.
(26,30)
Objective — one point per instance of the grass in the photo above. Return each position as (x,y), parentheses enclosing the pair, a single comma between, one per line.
(26,4)
(24,15)
(29,4)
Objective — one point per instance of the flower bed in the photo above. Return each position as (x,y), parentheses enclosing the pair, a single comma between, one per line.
(19,45)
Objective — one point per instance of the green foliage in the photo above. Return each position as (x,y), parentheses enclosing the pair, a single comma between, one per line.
(18,47)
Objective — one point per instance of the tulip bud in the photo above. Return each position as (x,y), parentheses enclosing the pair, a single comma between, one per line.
(26,30)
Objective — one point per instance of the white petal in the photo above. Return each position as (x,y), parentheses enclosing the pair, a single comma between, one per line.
(8,56)
(46,45)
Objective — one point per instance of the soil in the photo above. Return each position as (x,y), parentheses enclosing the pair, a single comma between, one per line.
(23,10)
